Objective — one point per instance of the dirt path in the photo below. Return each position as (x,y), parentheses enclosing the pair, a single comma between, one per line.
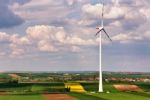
(58,97)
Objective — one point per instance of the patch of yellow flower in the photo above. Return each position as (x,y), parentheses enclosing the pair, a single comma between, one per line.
(75,87)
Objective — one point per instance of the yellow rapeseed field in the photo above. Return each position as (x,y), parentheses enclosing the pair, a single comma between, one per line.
(75,87)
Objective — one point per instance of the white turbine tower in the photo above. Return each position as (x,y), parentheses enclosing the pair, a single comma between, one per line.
(100,29)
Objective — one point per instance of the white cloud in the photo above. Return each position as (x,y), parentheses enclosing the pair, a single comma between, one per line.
(41,10)
(45,39)
(127,38)
(110,12)
(115,24)
(4,36)
(115,2)
(16,50)
(92,10)
(147,34)
(75,40)
(121,37)
(115,12)
(46,46)
(127,16)
(145,11)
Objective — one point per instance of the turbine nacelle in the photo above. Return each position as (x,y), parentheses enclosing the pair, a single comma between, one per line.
(100,29)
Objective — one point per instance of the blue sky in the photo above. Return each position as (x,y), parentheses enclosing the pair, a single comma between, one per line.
(50,35)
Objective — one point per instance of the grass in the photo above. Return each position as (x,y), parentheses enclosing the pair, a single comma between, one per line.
(116,95)
(90,86)
(141,94)
(15,87)
(4,76)
(94,87)
(32,87)
(144,86)
(60,87)
(49,87)
(82,96)
(120,96)
(22,97)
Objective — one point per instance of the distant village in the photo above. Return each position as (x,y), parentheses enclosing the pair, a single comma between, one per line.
(64,77)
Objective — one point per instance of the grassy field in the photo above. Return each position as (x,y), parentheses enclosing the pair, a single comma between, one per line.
(22,97)
(144,86)
(35,87)
(116,95)
(82,96)
(120,96)
(49,87)
(94,86)
(59,87)
(110,96)
(15,87)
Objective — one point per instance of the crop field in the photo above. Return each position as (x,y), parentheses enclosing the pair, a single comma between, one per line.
(55,86)
(49,87)
(29,87)
(88,86)
(36,92)
(113,94)
(144,86)
(120,96)
(75,87)
(22,97)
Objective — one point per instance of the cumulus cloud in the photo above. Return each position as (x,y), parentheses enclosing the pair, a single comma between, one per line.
(110,12)
(45,46)
(128,16)
(4,36)
(127,38)
(49,38)
(43,10)
(44,38)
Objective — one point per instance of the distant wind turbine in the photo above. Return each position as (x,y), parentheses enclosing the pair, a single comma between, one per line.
(100,29)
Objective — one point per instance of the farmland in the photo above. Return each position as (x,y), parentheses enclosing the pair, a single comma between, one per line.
(80,86)
(22,97)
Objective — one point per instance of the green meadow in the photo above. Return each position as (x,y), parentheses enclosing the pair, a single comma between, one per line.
(30,91)
(22,97)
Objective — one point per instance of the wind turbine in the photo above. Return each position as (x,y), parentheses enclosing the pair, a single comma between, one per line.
(100,29)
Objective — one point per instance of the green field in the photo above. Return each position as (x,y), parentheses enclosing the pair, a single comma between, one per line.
(144,86)
(32,87)
(21,90)
(111,96)
(81,96)
(49,87)
(22,97)
(114,94)
(94,86)
(120,96)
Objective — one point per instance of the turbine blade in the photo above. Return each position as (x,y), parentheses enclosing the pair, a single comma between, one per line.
(98,32)
(107,34)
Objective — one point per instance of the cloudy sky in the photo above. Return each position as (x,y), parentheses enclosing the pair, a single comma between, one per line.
(58,35)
